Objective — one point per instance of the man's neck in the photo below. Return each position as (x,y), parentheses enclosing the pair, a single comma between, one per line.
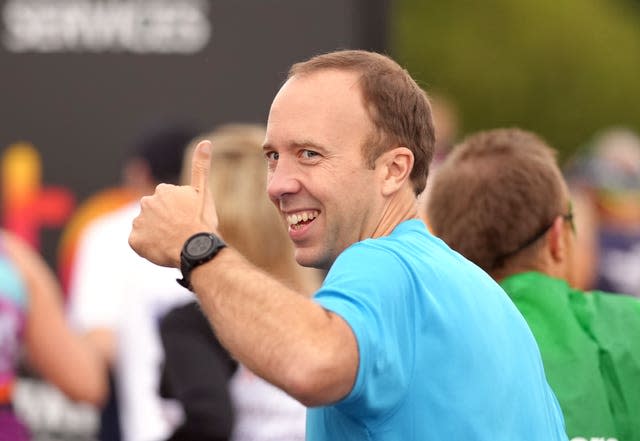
(543,264)
(403,206)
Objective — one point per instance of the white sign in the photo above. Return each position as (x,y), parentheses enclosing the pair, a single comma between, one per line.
(98,26)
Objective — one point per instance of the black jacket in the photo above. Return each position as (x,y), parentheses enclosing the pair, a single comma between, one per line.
(196,372)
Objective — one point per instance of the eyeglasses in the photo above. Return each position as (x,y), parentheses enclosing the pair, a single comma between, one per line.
(566,217)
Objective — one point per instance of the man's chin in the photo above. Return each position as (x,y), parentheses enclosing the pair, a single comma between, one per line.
(308,258)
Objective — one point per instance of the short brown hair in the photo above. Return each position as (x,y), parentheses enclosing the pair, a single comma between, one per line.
(398,107)
(493,194)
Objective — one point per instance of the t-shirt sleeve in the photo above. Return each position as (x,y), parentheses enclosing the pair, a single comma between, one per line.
(370,288)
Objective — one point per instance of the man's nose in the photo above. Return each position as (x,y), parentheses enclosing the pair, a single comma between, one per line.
(283,179)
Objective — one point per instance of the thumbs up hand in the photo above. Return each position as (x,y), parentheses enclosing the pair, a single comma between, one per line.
(174,213)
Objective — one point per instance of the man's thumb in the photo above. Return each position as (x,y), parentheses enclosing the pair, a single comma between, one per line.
(200,165)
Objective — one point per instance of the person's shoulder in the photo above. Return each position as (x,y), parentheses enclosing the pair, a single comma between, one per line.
(121,216)
(410,244)
(112,225)
(411,228)
(613,299)
(374,259)
(610,316)
(182,313)
(531,278)
(409,231)
(379,251)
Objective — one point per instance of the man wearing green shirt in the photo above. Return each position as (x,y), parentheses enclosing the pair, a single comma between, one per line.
(501,201)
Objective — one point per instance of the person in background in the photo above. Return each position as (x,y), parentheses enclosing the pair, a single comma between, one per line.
(97,205)
(32,318)
(501,201)
(107,285)
(197,368)
(604,180)
(396,344)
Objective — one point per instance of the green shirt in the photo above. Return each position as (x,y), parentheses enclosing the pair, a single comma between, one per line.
(590,345)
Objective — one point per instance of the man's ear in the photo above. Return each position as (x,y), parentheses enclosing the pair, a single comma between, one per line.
(394,167)
(556,242)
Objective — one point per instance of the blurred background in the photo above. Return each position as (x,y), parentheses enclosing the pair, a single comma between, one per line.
(81,79)
(562,69)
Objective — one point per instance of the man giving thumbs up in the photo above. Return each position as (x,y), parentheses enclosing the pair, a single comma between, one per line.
(406,339)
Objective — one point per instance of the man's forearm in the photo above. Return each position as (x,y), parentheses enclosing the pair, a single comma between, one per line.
(280,335)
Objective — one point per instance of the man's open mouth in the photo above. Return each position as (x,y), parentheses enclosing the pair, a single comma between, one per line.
(298,220)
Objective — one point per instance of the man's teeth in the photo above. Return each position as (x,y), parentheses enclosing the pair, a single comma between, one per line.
(304,216)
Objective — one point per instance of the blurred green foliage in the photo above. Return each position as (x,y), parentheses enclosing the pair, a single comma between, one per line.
(564,69)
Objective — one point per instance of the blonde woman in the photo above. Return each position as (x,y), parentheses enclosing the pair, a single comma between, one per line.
(251,225)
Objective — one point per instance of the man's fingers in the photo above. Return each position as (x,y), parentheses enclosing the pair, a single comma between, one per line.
(200,165)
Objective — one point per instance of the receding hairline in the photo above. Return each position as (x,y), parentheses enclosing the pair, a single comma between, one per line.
(356,85)
(357,60)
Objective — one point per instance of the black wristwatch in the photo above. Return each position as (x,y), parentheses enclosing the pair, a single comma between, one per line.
(198,249)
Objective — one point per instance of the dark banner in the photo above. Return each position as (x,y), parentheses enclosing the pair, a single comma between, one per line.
(80,78)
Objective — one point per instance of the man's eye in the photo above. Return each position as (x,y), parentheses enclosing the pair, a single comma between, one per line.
(272,156)
(308,154)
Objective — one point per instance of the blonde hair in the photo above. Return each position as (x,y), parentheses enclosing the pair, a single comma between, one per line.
(248,220)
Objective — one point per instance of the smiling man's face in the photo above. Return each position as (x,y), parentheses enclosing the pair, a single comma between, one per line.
(317,175)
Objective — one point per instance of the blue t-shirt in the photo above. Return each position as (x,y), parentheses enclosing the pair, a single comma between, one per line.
(444,353)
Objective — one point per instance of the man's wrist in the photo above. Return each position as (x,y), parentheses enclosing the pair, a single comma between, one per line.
(198,249)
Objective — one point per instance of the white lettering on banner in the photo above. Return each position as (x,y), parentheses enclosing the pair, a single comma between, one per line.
(95,26)
(593,439)
(47,411)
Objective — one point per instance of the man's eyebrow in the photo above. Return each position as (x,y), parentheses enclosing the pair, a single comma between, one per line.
(304,143)
(307,143)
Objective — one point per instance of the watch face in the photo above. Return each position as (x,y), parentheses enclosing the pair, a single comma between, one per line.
(199,246)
